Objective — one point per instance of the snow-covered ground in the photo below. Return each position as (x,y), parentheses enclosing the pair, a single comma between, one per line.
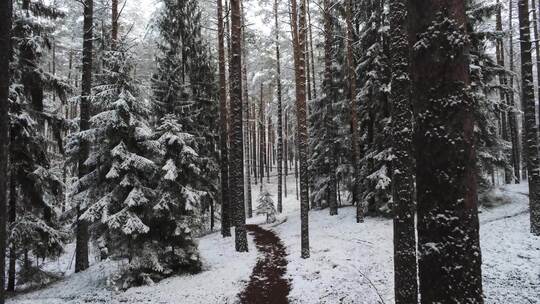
(349,263)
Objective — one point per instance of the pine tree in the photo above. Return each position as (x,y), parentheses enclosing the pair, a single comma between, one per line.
(266,206)
(530,126)
(279,113)
(299,39)
(224,126)
(448,226)
(5,51)
(237,146)
(405,265)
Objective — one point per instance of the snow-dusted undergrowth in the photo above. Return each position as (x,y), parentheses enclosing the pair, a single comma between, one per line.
(350,263)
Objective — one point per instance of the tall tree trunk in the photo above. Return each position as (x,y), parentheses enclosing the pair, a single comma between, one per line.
(530,126)
(114,24)
(279,115)
(81,250)
(329,100)
(237,144)
(516,152)
(448,227)
(299,40)
(12,218)
(254,143)
(314,81)
(503,95)
(285,154)
(267,141)
(355,157)
(224,133)
(246,117)
(5,54)
(405,265)
(262,135)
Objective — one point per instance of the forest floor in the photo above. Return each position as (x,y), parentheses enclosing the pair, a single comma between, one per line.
(349,263)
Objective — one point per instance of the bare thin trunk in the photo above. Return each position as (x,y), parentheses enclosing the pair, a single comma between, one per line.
(224,127)
(279,114)
(516,152)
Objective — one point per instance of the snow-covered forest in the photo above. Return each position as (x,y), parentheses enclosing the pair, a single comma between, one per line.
(269,151)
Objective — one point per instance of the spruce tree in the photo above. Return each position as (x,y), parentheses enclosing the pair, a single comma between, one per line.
(35,190)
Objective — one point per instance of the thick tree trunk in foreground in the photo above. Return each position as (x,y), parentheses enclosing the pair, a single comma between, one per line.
(299,40)
(224,134)
(237,145)
(448,238)
(530,126)
(5,51)
(279,116)
(81,250)
(405,264)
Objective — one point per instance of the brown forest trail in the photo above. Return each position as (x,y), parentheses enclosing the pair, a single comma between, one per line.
(267,284)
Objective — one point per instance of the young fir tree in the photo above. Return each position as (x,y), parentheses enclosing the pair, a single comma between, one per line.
(177,204)
(121,172)
(265,206)
(34,202)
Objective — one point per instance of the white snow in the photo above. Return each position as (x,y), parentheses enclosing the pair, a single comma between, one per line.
(349,263)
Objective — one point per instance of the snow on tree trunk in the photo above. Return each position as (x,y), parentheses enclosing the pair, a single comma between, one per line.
(530,126)
(5,51)
(405,264)
(225,198)
(279,114)
(237,144)
(448,227)
(81,251)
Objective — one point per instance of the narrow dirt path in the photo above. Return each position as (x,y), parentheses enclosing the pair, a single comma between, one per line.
(267,284)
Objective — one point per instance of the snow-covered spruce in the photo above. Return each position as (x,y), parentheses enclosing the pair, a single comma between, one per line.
(265,206)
